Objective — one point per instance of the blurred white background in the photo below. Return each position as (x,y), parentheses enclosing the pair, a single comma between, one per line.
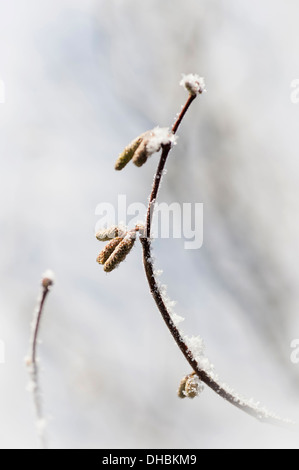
(82,78)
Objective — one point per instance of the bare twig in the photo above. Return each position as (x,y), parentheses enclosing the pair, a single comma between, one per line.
(31,361)
(209,379)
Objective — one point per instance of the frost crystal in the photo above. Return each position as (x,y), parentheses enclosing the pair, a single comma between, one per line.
(177,319)
(158,272)
(193,83)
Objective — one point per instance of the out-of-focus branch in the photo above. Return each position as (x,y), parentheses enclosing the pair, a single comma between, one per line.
(31,360)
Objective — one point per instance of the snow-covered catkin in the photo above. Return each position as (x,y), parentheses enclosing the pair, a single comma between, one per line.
(128,153)
(141,155)
(108,234)
(120,253)
(193,386)
(190,386)
(108,250)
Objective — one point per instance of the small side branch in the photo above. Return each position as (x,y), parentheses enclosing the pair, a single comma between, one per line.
(31,360)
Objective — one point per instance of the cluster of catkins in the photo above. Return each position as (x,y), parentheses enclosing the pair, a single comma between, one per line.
(141,148)
(190,386)
(120,242)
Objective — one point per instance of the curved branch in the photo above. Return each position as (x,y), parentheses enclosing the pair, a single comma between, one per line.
(246,406)
(260,414)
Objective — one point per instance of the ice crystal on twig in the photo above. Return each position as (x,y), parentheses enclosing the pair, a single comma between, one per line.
(160,136)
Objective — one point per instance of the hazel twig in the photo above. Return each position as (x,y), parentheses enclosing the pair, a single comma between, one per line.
(210,379)
(153,141)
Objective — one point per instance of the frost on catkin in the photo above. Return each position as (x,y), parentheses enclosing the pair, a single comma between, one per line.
(153,142)
(144,146)
(107,234)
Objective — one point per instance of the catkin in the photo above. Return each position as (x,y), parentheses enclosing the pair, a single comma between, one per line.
(108,250)
(141,154)
(120,253)
(128,153)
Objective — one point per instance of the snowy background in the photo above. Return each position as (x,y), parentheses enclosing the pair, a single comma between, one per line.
(82,79)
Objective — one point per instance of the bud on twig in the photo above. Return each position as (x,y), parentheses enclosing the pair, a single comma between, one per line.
(182,386)
(190,386)
(193,83)
(48,279)
(46,283)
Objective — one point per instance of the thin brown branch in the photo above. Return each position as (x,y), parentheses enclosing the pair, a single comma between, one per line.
(205,377)
(31,361)
(165,152)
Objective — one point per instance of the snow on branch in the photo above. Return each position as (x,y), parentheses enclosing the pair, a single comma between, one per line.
(193,83)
